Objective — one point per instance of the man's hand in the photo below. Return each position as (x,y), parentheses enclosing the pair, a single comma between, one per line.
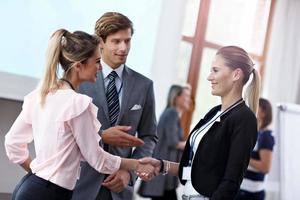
(118,136)
(146,172)
(118,181)
(154,171)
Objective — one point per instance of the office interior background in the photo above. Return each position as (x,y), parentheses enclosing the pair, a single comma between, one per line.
(174,42)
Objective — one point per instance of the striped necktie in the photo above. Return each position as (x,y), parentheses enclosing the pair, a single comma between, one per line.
(112,98)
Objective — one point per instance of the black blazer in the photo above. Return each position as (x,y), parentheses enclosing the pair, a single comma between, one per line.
(223,154)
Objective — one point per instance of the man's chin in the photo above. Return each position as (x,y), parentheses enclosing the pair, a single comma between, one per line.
(121,61)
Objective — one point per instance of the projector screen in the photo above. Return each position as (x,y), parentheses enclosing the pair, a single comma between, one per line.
(288,144)
(26,27)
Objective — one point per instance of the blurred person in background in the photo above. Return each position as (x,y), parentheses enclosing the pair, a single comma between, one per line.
(252,187)
(170,143)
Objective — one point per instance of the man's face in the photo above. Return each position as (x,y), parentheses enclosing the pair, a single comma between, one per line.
(115,49)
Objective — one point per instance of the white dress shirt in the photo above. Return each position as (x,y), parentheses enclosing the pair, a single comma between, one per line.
(106,70)
(197,136)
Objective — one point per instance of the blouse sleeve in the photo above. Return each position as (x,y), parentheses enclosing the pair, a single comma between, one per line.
(85,128)
(266,141)
(19,135)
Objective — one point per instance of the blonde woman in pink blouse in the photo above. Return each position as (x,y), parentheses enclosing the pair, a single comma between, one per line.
(62,123)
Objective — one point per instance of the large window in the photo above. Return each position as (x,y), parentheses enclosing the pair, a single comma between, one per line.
(238,22)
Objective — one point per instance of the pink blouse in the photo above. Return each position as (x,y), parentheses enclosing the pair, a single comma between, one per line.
(65,132)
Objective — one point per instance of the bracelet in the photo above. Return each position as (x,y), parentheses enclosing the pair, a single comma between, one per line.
(162,166)
(168,165)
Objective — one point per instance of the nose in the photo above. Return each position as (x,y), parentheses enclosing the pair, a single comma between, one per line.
(209,77)
(99,67)
(123,46)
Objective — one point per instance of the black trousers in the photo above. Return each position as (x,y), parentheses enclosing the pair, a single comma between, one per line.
(32,187)
(244,195)
(104,194)
(168,195)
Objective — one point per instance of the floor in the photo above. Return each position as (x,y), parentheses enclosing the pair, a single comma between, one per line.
(137,197)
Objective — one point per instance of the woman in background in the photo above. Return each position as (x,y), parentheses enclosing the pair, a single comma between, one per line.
(62,123)
(252,187)
(170,143)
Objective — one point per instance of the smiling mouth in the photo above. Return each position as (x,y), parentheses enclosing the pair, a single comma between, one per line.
(121,55)
(213,85)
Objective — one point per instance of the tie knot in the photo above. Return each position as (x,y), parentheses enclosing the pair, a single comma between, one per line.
(112,75)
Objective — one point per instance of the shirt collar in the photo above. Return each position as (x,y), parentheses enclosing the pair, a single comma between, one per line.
(106,70)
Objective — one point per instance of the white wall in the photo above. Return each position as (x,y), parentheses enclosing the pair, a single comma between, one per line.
(10,173)
(28,25)
(13,88)
(282,76)
(163,69)
(16,86)
(155,43)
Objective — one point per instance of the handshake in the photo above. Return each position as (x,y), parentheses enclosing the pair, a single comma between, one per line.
(146,168)
(149,167)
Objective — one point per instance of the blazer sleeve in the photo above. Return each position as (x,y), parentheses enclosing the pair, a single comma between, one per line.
(147,126)
(242,141)
(146,129)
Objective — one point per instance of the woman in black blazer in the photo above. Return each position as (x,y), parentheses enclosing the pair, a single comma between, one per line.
(218,149)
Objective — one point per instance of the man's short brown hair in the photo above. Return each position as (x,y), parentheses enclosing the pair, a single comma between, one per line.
(112,22)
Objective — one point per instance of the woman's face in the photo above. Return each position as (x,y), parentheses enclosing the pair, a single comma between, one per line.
(222,78)
(90,68)
(184,99)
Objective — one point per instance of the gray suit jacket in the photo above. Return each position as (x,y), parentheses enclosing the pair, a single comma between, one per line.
(137,90)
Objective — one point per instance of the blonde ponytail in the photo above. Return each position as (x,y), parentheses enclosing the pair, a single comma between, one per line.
(50,78)
(253,91)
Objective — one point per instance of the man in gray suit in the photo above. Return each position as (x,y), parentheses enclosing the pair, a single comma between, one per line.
(125,100)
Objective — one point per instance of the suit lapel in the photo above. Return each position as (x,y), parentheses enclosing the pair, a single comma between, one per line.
(101,94)
(128,82)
